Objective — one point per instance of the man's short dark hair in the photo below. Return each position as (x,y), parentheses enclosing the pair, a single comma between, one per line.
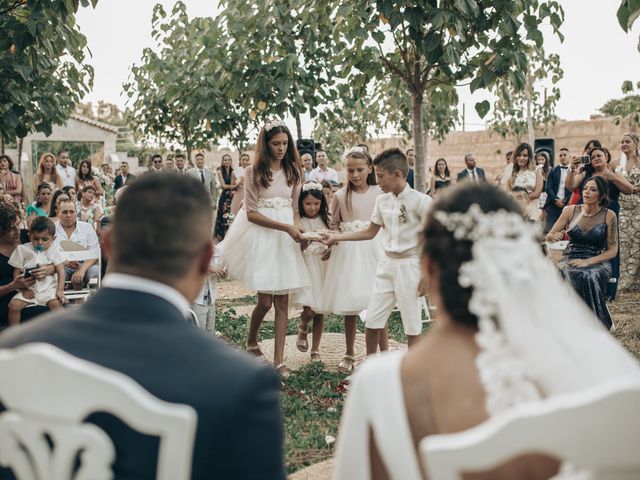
(162,222)
(41,225)
(179,155)
(199,154)
(520,190)
(564,148)
(61,152)
(409,150)
(156,155)
(392,159)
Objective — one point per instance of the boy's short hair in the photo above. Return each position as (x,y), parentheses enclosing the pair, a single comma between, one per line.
(41,225)
(392,159)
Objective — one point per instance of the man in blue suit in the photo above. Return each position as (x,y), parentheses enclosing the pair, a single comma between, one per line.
(159,250)
(472,172)
(557,195)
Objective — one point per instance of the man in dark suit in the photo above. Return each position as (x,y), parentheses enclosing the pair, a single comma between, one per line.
(472,172)
(557,196)
(159,249)
(124,178)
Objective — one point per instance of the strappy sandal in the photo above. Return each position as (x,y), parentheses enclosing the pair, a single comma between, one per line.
(256,352)
(301,343)
(347,365)
(283,371)
(315,356)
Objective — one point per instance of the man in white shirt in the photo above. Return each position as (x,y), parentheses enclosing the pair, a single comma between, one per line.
(65,169)
(180,168)
(206,178)
(68,227)
(557,195)
(307,166)
(322,172)
(400,212)
(156,163)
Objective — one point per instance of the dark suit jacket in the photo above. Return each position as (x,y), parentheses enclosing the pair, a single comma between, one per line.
(118,181)
(463,174)
(239,433)
(410,176)
(552,186)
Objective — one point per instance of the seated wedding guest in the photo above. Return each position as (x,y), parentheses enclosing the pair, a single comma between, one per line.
(327,190)
(524,174)
(42,205)
(441,177)
(88,209)
(136,324)
(307,165)
(70,228)
(65,169)
(323,172)
(9,286)
(593,242)
(502,311)
(86,178)
(472,173)
(521,197)
(72,192)
(10,179)
(58,197)
(557,194)
(125,177)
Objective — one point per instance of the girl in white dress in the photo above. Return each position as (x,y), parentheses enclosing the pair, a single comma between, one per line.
(352,266)
(314,218)
(525,175)
(260,247)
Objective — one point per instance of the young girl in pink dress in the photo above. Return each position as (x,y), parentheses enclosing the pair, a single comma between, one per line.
(260,247)
(314,218)
(352,266)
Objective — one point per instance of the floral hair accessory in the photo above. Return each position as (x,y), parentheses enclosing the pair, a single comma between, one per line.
(311,186)
(270,125)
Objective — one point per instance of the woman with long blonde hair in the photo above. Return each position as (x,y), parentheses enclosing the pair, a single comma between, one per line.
(47,172)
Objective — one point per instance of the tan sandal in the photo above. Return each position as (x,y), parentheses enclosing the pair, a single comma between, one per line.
(283,371)
(302,344)
(315,356)
(347,365)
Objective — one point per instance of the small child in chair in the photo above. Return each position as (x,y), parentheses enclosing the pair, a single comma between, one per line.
(25,258)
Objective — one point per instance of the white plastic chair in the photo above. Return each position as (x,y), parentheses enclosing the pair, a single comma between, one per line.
(49,392)
(75,252)
(597,430)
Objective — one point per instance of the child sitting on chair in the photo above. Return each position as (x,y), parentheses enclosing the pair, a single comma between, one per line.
(25,258)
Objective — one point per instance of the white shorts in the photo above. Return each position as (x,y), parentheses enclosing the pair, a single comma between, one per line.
(396,283)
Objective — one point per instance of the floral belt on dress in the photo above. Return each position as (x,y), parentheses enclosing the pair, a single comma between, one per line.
(276,202)
(355,226)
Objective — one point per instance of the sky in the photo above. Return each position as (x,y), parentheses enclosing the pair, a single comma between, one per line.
(596,55)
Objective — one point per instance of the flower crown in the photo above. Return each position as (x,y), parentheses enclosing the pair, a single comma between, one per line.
(311,186)
(270,125)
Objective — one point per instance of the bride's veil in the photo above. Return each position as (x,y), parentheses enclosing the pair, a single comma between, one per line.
(537,337)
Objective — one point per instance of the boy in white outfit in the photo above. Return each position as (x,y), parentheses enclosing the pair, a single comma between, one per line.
(401,212)
(40,251)
(202,305)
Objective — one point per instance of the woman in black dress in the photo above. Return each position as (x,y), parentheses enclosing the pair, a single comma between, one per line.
(441,176)
(592,229)
(224,217)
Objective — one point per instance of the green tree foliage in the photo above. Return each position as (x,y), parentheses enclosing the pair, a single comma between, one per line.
(42,64)
(280,57)
(432,44)
(626,110)
(521,110)
(173,96)
(628,13)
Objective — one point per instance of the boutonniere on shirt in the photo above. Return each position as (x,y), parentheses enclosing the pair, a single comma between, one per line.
(403,214)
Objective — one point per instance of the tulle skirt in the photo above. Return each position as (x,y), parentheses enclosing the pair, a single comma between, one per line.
(311,296)
(350,276)
(264,259)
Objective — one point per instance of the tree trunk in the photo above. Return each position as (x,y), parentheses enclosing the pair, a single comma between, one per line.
(530,130)
(19,159)
(420,167)
(299,126)
(1,145)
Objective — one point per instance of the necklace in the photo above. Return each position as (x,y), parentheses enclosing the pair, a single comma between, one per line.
(593,214)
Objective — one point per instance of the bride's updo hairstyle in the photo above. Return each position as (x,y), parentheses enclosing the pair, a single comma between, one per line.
(449,253)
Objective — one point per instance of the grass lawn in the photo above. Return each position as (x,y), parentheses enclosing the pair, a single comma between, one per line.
(312,398)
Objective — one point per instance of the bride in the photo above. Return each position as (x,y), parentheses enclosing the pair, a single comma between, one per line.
(497,342)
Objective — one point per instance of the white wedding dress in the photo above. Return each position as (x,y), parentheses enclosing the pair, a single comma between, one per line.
(534,333)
